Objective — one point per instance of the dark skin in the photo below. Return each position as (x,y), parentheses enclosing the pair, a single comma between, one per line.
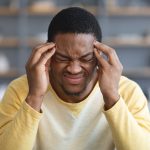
(72,64)
(73,67)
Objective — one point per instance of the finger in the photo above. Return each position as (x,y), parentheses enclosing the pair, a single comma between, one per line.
(102,62)
(38,47)
(108,51)
(35,49)
(39,52)
(42,48)
(42,45)
(45,59)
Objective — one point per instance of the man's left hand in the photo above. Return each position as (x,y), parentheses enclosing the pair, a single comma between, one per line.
(109,70)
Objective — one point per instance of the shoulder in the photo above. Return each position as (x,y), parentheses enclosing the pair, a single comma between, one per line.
(130,91)
(18,88)
(127,83)
(19,83)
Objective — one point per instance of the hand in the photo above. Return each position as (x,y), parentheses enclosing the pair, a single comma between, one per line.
(37,69)
(109,71)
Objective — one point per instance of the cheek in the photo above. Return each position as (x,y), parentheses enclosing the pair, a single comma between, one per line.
(57,69)
(90,68)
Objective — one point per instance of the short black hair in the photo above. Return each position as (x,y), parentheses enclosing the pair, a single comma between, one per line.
(74,20)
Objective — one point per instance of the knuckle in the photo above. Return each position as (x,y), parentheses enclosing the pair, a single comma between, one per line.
(37,48)
(111,51)
(34,49)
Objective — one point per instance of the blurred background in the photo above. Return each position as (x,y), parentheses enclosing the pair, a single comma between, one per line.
(125,27)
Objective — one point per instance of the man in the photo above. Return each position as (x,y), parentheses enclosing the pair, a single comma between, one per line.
(73,98)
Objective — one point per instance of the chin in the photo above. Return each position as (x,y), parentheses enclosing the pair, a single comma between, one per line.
(73,91)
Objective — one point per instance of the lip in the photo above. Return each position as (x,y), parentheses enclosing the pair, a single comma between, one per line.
(73,79)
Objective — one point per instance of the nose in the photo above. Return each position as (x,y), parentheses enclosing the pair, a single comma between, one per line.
(74,67)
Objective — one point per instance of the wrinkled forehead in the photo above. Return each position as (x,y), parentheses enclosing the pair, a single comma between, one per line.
(73,44)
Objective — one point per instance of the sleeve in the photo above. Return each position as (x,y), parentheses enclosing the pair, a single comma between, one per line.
(129,120)
(18,121)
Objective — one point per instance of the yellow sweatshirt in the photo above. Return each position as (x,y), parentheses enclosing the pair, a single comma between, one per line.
(79,126)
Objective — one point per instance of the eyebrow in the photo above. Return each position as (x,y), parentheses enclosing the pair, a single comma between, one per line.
(62,55)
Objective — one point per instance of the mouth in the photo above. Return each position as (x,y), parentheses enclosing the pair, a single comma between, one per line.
(74,79)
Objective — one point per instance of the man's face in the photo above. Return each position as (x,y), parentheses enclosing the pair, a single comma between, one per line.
(74,63)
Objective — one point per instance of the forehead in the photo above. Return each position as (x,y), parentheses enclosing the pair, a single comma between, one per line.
(74,44)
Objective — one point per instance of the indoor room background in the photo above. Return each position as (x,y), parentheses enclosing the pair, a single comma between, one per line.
(125,27)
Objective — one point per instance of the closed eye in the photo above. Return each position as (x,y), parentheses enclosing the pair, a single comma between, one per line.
(88,58)
(61,59)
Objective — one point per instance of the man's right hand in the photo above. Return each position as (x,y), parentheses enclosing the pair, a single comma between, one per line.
(37,69)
